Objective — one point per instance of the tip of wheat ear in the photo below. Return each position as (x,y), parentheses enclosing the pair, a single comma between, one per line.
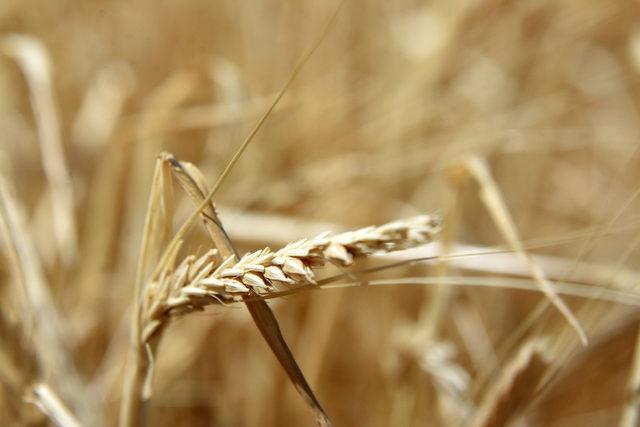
(196,282)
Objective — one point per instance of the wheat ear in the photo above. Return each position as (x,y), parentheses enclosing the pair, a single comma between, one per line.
(197,281)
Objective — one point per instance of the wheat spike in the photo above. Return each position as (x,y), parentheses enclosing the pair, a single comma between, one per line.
(197,281)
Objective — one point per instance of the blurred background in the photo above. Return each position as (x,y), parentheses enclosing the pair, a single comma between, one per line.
(517,121)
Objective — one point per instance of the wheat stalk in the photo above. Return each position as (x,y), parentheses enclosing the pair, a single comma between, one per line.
(197,281)
(516,386)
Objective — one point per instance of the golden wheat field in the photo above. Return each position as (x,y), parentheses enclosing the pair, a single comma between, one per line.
(426,213)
